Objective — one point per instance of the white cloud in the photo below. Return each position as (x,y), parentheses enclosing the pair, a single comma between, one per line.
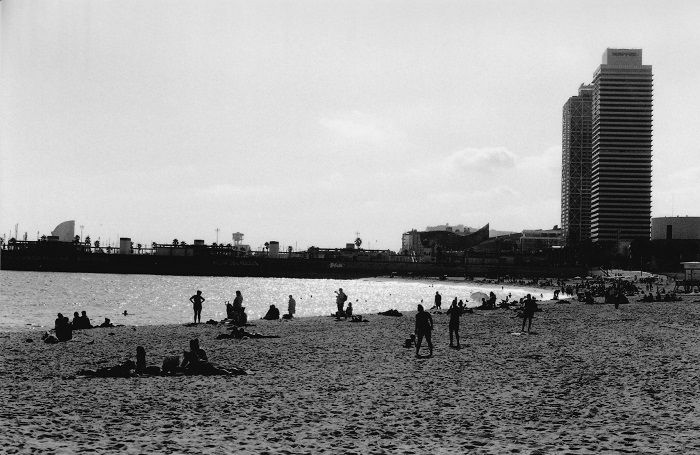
(361,126)
(481,159)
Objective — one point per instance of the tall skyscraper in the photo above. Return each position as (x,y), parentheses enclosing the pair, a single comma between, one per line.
(576,166)
(621,148)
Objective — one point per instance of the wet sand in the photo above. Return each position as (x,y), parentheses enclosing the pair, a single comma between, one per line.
(591,380)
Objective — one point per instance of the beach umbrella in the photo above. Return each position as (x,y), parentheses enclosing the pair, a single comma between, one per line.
(477,296)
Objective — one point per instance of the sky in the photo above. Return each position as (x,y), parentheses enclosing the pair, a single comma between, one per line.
(308,122)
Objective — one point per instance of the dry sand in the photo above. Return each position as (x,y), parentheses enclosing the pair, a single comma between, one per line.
(592,380)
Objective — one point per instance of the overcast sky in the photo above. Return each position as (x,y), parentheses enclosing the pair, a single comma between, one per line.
(308,121)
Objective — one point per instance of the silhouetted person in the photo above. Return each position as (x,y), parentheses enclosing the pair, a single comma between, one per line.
(438,300)
(348,311)
(197,301)
(272,314)
(291,307)
(424,328)
(340,298)
(84,320)
(64,332)
(529,308)
(238,302)
(455,312)
(107,323)
(75,323)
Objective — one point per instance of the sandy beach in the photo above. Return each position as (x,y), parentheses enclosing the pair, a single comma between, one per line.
(592,379)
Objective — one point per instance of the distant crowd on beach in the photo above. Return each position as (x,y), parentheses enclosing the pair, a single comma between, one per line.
(64,327)
(235,311)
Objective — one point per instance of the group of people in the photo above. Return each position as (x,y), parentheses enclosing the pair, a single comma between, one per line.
(340,299)
(273,313)
(424,322)
(63,326)
(235,312)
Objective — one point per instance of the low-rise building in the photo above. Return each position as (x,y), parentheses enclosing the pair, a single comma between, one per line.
(675,228)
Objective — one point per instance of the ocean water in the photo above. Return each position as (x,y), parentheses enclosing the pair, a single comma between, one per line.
(32,299)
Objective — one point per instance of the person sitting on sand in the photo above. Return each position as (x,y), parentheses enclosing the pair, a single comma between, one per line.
(75,323)
(84,320)
(238,316)
(529,308)
(197,301)
(455,312)
(410,341)
(424,328)
(238,302)
(64,331)
(272,314)
(348,311)
(107,323)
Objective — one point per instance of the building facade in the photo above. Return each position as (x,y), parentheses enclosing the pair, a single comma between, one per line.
(675,228)
(576,166)
(621,148)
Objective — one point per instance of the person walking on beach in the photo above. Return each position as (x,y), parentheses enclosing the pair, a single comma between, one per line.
(455,312)
(438,300)
(529,308)
(424,328)
(197,301)
(340,298)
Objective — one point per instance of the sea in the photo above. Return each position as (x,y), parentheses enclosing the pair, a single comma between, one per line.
(31,300)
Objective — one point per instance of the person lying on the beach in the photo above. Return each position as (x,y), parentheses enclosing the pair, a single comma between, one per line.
(123,370)
(195,362)
(240,333)
(391,312)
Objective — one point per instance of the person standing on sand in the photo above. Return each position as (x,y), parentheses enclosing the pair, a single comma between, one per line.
(438,300)
(424,328)
(291,307)
(455,312)
(197,301)
(340,298)
(529,309)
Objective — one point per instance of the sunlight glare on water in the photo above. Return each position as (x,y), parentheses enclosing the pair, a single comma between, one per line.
(32,299)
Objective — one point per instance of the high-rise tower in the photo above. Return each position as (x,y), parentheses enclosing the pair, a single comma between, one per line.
(621,148)
(576,166)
